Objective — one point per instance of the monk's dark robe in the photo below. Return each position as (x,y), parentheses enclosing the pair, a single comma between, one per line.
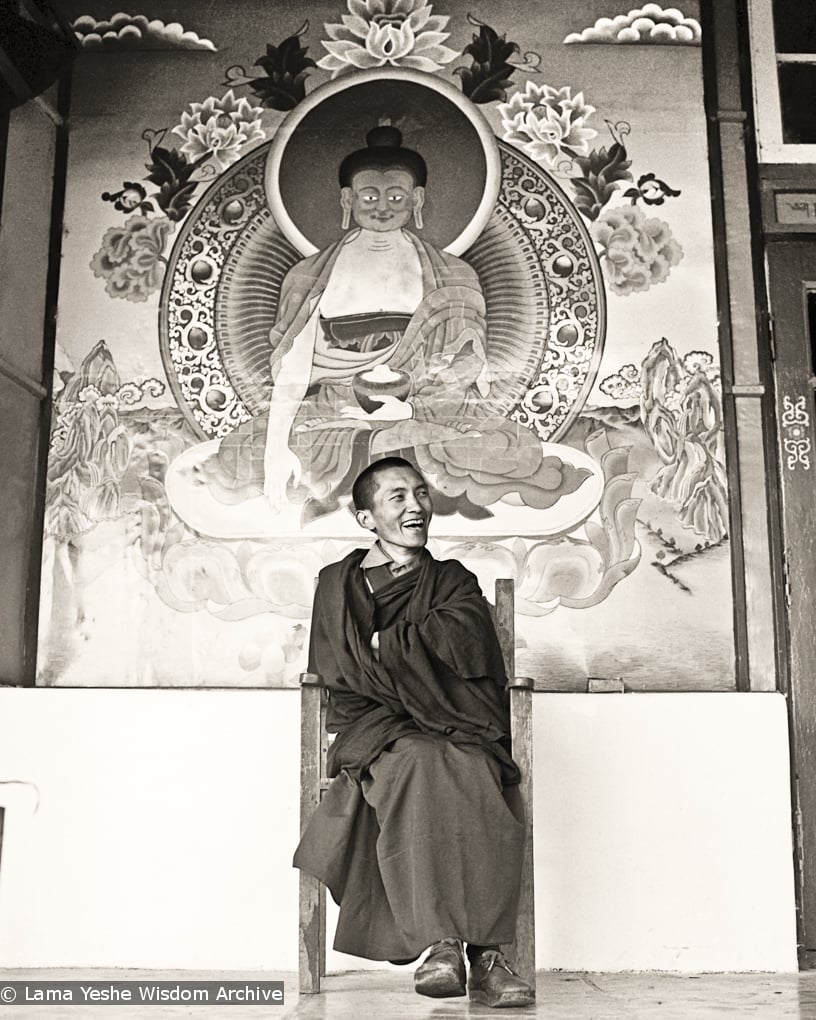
(414,837)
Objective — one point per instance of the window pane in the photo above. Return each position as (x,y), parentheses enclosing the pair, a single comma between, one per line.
(797,86)
(795,26)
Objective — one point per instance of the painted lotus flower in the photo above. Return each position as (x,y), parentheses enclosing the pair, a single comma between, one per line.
(403,33)
(565,568)
(130,259)
(222,127)
(636,252)
(544,122)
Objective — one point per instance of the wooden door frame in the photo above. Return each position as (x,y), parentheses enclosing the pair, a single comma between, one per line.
(791,267)
(758,422)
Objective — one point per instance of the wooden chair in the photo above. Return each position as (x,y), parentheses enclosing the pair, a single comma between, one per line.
(314,744)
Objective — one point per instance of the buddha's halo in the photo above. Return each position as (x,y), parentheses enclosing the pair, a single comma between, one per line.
(436,120)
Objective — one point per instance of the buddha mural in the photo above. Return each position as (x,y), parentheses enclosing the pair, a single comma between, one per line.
(380,299)
(380,347)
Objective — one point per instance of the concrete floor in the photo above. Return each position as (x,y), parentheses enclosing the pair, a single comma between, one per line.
(371,995)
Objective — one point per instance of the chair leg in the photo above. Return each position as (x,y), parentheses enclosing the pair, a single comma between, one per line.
(311,921)
(525,922)
(321,930)
(311,935)
(521,720)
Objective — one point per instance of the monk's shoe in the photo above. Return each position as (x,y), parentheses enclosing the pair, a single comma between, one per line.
(493,982)
(442,972)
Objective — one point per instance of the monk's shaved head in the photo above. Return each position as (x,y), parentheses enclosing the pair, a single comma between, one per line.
(365,485)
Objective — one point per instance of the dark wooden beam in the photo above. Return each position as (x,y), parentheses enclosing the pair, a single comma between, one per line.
(745,373)
(32,609)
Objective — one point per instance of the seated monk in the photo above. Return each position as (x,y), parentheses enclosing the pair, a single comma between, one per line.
(382,308)
(414,837)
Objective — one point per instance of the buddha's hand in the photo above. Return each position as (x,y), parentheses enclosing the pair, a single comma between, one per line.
(391,409)
(280,465)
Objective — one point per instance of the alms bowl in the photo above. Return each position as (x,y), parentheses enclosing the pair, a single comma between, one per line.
(370,386)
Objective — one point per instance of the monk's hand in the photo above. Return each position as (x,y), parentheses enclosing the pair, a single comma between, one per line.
(391,409)
(280,465)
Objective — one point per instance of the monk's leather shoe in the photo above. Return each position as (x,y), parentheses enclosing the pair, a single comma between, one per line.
(442,972)
(493,982)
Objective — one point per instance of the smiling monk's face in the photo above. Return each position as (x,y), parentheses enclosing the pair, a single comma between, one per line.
(400,512)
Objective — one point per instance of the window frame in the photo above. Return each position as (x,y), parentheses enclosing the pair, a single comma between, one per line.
(771,146)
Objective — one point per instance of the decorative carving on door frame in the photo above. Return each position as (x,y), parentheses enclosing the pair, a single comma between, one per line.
(795,441)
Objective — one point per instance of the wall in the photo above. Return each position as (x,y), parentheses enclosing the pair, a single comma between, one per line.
(575,440)
(167,820)
(663,833)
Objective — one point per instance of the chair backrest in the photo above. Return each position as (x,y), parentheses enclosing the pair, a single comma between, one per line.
(503,614)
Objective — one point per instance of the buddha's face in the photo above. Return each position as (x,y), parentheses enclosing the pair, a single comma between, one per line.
(382,200)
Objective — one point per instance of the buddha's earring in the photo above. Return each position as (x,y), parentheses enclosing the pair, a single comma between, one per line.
(346,222)
(417,218)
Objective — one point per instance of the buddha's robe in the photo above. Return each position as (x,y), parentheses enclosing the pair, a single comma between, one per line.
(455,435)
(414,837)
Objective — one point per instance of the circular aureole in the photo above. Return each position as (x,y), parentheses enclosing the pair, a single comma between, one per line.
(536,264)
(435,119)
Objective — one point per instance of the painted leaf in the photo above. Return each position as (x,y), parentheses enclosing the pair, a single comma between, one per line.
(615,461)
(171,170)
(176,203)
(603,170)
(599,539)
(490,75)
(287,68)
(167,166)
(154,492)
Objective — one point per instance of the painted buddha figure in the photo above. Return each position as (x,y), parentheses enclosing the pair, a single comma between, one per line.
(380,347)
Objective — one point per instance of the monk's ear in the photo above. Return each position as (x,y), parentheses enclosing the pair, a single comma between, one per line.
(418,199)
(365,520)
(345,199)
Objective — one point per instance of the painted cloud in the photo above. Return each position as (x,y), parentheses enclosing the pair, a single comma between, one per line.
(136,32)
(648,24)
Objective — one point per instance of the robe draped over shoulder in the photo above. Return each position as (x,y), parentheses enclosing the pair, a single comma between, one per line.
(440,668)
(450,317)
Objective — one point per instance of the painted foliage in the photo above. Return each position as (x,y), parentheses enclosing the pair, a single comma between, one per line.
(388,228)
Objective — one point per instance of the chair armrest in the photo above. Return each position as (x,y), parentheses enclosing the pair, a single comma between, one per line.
(525,683)
(311,680)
